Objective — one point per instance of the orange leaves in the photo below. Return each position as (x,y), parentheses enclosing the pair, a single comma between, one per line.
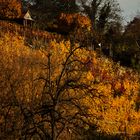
(11,8)
(112,89)
(115,92)
(89,76)
(77,19)
(121,114)
(18,66)
(69,18)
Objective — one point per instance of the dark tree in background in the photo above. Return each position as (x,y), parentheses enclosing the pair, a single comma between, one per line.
(57,6)
(132,41)
(101,12)
(105,16)
(67,6)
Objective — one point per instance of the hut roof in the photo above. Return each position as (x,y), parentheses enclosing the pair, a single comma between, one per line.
(27,16)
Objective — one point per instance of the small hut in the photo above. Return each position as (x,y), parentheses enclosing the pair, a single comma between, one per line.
(27,19)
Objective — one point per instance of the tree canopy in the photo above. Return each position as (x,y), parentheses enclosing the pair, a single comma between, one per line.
(101,12)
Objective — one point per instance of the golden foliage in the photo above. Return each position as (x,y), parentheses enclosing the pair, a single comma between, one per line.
(79,20)
(113,90)
(10,8)
(117,88)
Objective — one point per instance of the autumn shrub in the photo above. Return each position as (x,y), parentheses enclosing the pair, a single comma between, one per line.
(118,89)
(10,9)
(77,27)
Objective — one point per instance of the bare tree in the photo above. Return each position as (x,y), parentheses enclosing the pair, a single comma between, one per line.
(48,105)
(61,103)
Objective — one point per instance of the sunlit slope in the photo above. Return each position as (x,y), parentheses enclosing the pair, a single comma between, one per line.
(113,103)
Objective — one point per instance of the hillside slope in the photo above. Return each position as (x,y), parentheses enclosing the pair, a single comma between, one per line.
(81,87)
